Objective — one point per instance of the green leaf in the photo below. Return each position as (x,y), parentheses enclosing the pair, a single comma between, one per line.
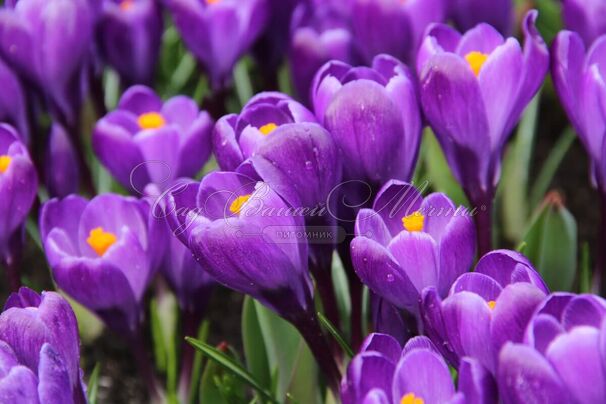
(254,346)
(242,82)
(304,387)
(513,189)
(197,365)
(93,384)
(89,325)
(551,244)
(228,363)
(438,172)
(339,280)
(550,167)
(335,334)
(585,267)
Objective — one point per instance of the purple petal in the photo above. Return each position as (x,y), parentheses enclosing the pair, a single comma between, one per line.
(584,310)
(19,386)
(384,344)
(366,371)
(415,252)
(196,145)
(225,144)
(541,331)
(482,38)
(395,200)
(140,100)
(419,342)
(476,383)
(54,385)
(369,224)
(479,284)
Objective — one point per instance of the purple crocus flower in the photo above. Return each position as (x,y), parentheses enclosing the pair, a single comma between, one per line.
(48,43)
(103,252)
(62,175)
(485,308)
(12,101)
(18,186)
(383,372)
(585,17)
(406,243)
(237,137)
(219,32)
(157,141)
(579,76)
(373,116)
(244,235)
(320,33)
(129,33)
(39,350)
(468,13)
(563,355)
(474,88)
(394,27)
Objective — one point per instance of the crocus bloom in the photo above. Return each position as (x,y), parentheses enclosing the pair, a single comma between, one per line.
(129,33)
(580,80)
(373,116)
(319,34)
(18,185)
(102,253)
(383,372)
(62,175)
(147,141)
(406,243)
(12,101)
(219,32)
(394,27)
(39,350)
(497,13)
(485,308)
(237,137)
(585,17)
(48,43)
(474,88)
(563,355)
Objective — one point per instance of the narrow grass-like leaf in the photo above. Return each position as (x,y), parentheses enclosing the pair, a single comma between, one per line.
(550,167)
(585,268)
(229,364)
(335,334)
(196,372)
(93,384)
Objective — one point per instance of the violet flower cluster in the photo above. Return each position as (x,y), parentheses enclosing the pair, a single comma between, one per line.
(135,192)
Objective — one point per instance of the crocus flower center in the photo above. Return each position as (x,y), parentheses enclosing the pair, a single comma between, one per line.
(100,240)
(238,203)
(414,221)
(411,398)
(5,161)
(151,120)
(126,4)
(268,128)
(476,60)
(492,304)
(212,1)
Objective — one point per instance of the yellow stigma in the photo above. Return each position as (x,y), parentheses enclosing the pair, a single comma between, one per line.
(126,4)
(212,1)
(410,398)
(151,120)
(238,203)
(5,161)
(414,221)
(268,128)
(492,304)
(476,60)
(100,240)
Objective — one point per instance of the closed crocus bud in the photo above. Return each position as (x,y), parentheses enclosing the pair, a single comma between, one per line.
(48,43)
(102,253)
(237,137)
(579,75)
(18,185)
(148,141)
(468,13)
(319,34)
(241,231)
(406,243)
(373,116)
(383,372)
(585,17)
(39,350)
(474,88)
(129,33)
(562,356)
(62,174)
(219,32)
(485,308)
(12,101)
(394,27)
